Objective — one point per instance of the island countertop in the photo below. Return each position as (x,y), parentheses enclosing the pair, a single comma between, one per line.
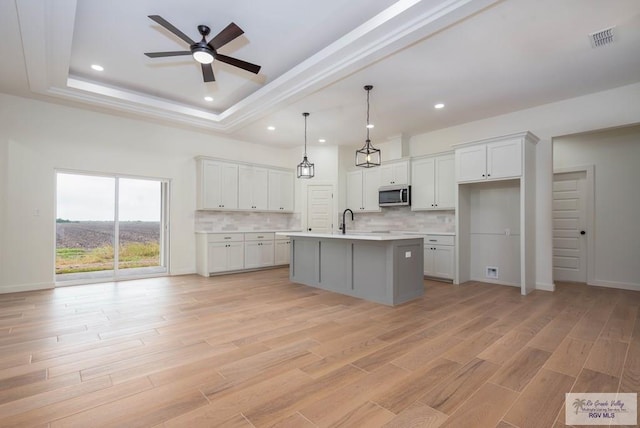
(360,236)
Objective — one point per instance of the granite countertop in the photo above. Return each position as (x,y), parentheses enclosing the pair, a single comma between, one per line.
(360,236)
(247,231)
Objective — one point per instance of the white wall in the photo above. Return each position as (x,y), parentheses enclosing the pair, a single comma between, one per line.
(615,155)
(600,110)
(39,137)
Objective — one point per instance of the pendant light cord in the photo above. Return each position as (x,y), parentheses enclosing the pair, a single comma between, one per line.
(368,90)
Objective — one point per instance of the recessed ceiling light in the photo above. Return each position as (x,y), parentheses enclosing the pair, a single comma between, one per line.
(439,106)
(208,98)
(271,128)
(370,125)
(97,67)
(322,140)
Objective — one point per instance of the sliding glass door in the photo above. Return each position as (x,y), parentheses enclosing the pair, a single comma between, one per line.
(110,227)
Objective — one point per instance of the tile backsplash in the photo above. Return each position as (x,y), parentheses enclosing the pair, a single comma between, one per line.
(402,218)
(219,221)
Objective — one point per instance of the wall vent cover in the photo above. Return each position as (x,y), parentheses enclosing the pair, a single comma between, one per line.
(602,37)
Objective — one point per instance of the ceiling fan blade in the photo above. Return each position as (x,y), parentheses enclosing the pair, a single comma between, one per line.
(161,54)
(231,32)
(207,73)
(160,20)
(253,68)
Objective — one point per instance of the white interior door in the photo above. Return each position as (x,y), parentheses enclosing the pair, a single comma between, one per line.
(569,227)
(320,208)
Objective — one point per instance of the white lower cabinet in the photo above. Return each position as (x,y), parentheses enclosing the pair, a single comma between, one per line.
(258,250)
(226,256)
(282,253)
(439,256)
(219,252)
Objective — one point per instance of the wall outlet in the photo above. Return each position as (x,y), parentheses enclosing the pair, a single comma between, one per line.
(491,272)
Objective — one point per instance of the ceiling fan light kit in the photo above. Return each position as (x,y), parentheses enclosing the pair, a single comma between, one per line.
(305,168)
(368,156)
(205,52)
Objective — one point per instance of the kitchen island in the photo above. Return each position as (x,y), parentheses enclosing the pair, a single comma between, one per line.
(384,268)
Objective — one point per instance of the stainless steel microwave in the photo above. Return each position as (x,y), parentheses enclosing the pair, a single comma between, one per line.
(394,196)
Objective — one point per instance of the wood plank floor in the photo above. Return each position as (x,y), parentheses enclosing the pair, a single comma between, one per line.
(254,350)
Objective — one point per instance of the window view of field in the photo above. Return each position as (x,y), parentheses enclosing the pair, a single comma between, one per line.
(87,246)
(86,230)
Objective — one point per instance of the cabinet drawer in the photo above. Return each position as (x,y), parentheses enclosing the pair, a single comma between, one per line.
(259,236)
(225,237)
(439,239)
(282,238)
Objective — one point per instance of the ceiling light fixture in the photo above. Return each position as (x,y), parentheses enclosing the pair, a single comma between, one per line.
(439,106)
(203,55)
(305,168)
(208,98)
(97,67)
(322,141)
(271,128)
(368,156)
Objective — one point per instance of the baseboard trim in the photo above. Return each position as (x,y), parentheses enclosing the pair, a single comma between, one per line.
(5,289)
(184,271)
(545,287)
(613,284)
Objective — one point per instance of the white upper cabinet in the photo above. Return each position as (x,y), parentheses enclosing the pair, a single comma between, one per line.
(362,189)
(280,191)
(433,183)
(217,185)
(223,185)
(489,161)
(252,188)
(394,173)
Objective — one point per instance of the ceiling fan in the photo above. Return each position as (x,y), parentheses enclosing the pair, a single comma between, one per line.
(204,52)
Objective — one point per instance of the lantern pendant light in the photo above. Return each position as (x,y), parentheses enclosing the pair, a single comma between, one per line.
(305,168)
(368,156)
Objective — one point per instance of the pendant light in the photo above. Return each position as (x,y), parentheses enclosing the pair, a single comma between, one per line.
(368,156)
(305,168)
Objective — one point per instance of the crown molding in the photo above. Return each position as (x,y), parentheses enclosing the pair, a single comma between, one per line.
(47,27)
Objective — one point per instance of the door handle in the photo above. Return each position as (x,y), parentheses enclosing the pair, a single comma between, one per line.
(582,232)
(309,229)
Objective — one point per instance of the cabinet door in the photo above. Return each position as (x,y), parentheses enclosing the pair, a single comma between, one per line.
(401,173)
(370,187)
(211,173)
(286,195)
(445,184)
(471,163)
(354,190)
(266,253)
(422,187)
(280,191)
(228,182)
(217,257)
(394,173)
(252,188)
(443,261)
(260,188)
(282,252)
(429,260)
(235,256)
(504,159)
(252,254)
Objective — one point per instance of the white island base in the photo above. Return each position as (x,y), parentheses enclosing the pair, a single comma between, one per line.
(382,268)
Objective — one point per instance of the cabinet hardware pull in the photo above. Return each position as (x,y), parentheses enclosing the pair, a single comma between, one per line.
(433,240)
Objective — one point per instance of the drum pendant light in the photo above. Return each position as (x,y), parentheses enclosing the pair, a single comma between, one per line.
(305,168)
(368,156)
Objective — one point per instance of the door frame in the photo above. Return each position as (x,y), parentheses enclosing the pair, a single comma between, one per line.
(305,205)
(165,223)
(590,213)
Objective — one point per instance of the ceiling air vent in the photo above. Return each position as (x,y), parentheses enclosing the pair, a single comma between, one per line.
(602,37)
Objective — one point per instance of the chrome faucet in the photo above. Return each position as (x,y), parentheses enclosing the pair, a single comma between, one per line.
(344,224)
